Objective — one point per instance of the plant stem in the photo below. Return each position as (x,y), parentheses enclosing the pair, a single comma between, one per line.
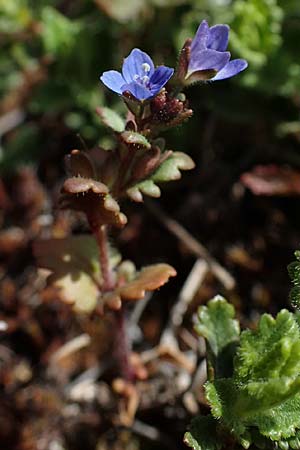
(107,275)
(122,347)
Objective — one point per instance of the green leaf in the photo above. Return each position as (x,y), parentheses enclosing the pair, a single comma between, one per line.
(74,263)
(170,169)
(271,351)
(203,434)
(167,171)
(217,325)
(146,187)
(264,392)
(294,273)
(111,119)
(135,139)
(59,34)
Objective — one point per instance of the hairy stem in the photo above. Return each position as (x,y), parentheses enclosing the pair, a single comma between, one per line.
(107,274)
(122,347)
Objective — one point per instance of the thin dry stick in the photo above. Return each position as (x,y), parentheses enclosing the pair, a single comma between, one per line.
(186,295)
(72,346)
(152,433)
(193,245)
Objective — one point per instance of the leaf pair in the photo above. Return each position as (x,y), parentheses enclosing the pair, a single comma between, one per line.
(150,164)
(75,272)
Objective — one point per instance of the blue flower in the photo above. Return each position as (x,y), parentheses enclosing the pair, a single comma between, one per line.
(205,57)
(139,77)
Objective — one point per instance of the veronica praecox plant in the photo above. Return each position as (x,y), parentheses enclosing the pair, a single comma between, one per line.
(87,271)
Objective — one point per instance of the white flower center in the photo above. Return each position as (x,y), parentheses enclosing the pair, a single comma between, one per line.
(146,67)
(143,80)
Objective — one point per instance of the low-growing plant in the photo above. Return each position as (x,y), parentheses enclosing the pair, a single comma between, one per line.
(253,387)
(87,270)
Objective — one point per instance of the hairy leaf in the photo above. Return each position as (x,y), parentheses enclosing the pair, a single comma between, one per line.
(217,325)
(294,273)
(170,168)
(264,391)
(203,434)
(111,119)
(135,139)
(92,198)
(146,187)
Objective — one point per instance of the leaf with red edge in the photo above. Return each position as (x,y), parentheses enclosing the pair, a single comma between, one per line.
(149,279)
(92,198)
(272,180)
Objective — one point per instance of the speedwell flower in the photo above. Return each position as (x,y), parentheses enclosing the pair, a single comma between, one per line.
(205,57)
(139,77)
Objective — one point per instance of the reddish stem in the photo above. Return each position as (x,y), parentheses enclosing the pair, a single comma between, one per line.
(100,234)
(122,347)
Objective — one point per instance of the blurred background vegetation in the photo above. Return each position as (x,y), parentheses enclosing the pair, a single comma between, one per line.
(52,53)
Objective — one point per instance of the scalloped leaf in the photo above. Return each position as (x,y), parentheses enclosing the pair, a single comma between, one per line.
(264,391)
(203,434)
(147,187)
(111,119)
(170,169)
(149,278)
(135,139)
(217,325)
(91,197)
(75,269)
(270,351)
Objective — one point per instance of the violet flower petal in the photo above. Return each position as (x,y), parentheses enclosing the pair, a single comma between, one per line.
(218,36)
(160,76)
(113,80)
(139,91)
(231,69)
(208,60)
(134,65)
(200,40)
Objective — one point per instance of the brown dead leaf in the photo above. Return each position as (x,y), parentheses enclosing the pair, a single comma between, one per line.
(272,180)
